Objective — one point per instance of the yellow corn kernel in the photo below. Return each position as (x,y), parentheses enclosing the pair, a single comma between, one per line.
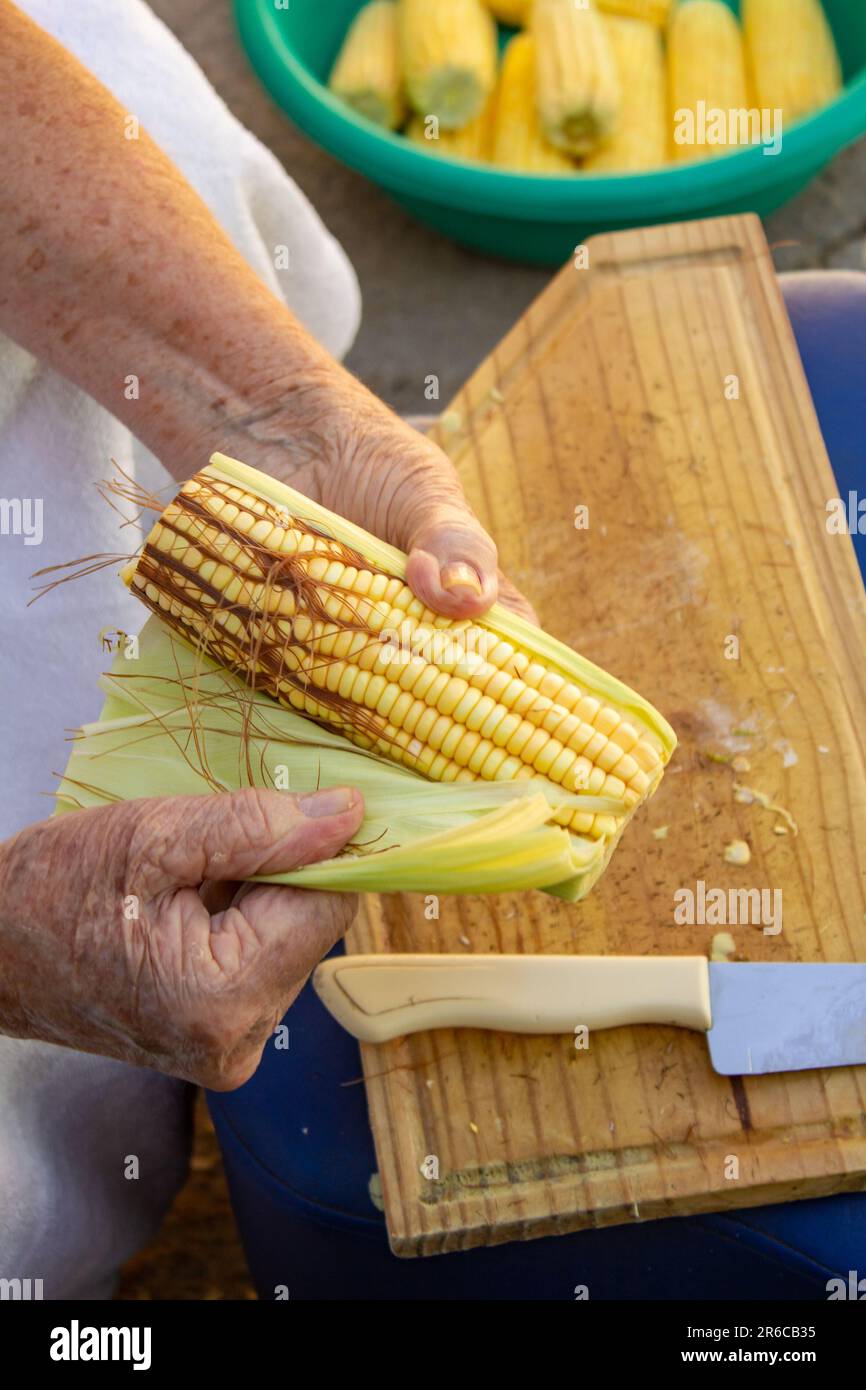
(578,91)
(367,72)
(641,138)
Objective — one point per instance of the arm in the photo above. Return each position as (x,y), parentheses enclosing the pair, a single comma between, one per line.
(111,264)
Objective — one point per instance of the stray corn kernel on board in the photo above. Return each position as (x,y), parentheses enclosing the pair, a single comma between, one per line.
(613,86)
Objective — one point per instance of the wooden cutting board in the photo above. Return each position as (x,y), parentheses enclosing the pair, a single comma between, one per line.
(661,388)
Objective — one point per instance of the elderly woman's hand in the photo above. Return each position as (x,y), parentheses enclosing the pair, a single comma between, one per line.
(124,930)
(335,441)
(399,485)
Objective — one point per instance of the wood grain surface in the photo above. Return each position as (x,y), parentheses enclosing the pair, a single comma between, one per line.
(707,521)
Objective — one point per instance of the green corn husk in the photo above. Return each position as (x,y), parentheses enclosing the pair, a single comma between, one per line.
(174,723)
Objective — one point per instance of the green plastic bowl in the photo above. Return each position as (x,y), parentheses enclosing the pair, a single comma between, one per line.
(529,217)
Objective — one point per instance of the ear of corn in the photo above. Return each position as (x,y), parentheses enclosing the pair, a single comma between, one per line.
(792,56)
(472,141)
(578,91)
(706,68)
(641,139)
(175,724)
(512,12)
(367,73)
(653,11)
(518,141)
(449,52)
(314,613)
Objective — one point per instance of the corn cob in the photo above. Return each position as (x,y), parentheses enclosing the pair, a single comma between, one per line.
(274,591)
(706,69)
(512,12)
(792,56)
(653,11)
(367,72)
(473,141)
(641,140)
(449,58)
(518,142)
(577,86)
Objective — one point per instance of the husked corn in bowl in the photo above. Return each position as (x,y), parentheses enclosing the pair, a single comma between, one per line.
(316,614)
(600,145)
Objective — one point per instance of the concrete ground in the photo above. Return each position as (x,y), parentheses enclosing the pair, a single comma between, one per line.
(428,307)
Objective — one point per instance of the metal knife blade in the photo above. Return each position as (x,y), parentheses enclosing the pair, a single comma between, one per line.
(769,1018)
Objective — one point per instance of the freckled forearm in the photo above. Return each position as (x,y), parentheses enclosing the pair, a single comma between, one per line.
(112,268)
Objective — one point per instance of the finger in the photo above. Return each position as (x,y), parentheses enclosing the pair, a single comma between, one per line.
(452,568)
(241,971)
(272,937)
(181,841)
(299,926)
(452,561)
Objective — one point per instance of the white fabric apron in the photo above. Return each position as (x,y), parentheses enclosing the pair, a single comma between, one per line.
(68,1123)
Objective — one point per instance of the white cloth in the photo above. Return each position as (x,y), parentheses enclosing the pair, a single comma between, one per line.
(67,1122)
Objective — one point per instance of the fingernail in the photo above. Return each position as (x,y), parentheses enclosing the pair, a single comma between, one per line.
(329,802)
(459,575)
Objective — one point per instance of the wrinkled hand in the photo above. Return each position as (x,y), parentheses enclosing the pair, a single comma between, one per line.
(403,488)
(124,930)
(399,485)
(339,444)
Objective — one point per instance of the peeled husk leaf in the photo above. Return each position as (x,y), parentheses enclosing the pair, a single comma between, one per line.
(174,723)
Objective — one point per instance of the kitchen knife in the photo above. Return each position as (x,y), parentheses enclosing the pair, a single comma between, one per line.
(758,1018)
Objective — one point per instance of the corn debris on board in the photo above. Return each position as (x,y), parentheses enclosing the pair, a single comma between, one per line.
(367,73)
(315,613)
(793,61)
(641,139)
(518,140)
(706,70)
(472,141)
(449,54)
(578,93)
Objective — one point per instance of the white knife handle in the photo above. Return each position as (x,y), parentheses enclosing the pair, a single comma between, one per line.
(376,998)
